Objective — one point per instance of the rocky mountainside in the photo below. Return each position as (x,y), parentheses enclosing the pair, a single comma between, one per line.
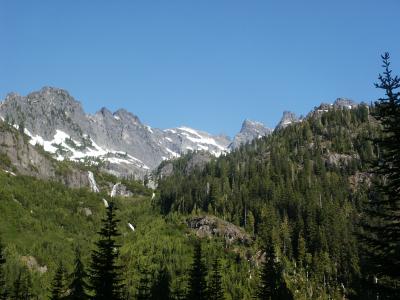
(55,120)
(288,118)
(118,140)
(250,130)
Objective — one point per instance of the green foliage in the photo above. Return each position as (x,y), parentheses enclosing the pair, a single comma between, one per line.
(301,188)
(215,290)
(78,286)
(161,288)
(5,160)
(381,222)
(197,276)
(3,293)
(105,274)
(58,286)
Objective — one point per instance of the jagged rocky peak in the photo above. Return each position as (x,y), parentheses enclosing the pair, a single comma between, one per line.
(287,119)
(44,111)
(123,114)
(339,103)
(345,103)
(55,120)
(250,130)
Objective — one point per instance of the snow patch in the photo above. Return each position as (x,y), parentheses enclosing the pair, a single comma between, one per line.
(9,172)
(173,154)
(149,129)
(131,226)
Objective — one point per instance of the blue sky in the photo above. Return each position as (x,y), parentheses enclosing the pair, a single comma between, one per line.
(204,64)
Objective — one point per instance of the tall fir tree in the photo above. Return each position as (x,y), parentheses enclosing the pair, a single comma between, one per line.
(3,291)
(27,292)
(161,288)
(197,276)
(382,228)
(78,285)
(105,274)
(143,291)
(215,290)
(58,287)
(268,285)
(17,287)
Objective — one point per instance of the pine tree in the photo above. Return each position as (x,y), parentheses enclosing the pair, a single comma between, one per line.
(215,290)
(383,223)
(143,292)
(3,292)
(105,275)
(161,289)
(57,289)
(268,285)
(78,285)
(27,293)
(197,276)
(17,287)
(272,283)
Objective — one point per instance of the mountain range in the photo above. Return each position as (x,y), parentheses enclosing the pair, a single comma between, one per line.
(52,118)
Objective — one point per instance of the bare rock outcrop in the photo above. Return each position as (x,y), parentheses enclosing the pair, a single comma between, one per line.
(211,226)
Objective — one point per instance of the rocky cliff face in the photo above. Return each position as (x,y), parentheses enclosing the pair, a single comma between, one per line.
(118,140)
(287,119)
(18,156)
(250,130)
(55,120)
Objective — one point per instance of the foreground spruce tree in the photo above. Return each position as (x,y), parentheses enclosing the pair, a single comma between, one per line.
(215,290)
(143,291)
(3,292)
(78,284)
(161,289)
(197,276)
(57,288)
(105,274)
(268,285)
(382,228)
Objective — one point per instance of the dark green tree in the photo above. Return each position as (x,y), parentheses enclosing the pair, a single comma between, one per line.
(268,285)
(3,291)
(197,276)
(17,287)
(78,285)
(144,288)
(58,287)
(105,274)
(27,292)
(215,290)
(161,288)
(382,226)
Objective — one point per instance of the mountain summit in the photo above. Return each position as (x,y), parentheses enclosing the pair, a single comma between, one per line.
(126,146)
(250,130)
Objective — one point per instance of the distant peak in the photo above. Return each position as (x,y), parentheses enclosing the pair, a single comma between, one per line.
(345,102)
(250,123)
(288,118)
(250,130)
(105,111)
(124,114)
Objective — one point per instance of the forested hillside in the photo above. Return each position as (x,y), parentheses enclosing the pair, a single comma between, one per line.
(42,223)
(283,213)
(300,189)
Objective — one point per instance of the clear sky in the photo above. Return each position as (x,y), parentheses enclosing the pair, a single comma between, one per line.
(204,64)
